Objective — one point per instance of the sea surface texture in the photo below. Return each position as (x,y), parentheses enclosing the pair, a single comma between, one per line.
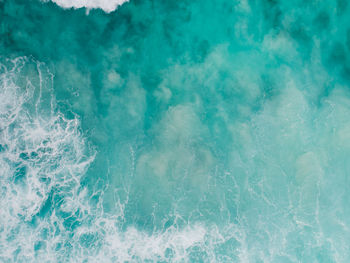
(175,131)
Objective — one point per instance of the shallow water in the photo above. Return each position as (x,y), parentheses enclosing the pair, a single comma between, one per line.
(174,131)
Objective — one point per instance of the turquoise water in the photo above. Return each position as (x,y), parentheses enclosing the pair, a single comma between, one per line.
(175,131)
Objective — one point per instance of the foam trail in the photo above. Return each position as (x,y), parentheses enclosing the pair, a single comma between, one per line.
(106,5)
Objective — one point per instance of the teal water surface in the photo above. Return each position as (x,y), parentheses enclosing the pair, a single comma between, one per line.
(175,131)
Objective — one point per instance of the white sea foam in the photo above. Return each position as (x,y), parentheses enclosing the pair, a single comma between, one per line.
(106,5)
(41,151)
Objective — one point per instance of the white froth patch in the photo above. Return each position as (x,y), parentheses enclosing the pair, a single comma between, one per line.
(135,244)
(106,5)
(42,152)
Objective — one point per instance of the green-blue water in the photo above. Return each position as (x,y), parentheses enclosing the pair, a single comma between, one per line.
(175,131)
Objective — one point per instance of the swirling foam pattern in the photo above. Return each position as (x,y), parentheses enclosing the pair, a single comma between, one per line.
(43,156)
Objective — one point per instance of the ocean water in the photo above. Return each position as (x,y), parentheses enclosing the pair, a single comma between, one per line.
(175,131)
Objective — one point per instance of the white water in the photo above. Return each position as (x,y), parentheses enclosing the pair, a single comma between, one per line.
(106,5)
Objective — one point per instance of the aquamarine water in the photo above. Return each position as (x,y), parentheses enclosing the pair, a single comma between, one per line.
(175,131)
